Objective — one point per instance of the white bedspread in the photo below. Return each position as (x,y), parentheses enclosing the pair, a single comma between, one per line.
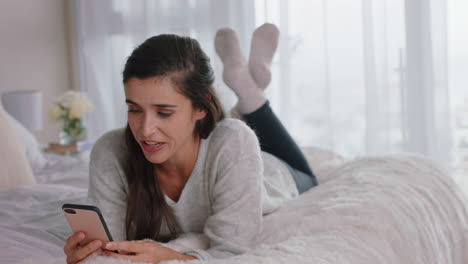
(31,221)
(392,209)
(71,170)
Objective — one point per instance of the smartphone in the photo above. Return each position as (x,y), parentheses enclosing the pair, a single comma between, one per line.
(87,219)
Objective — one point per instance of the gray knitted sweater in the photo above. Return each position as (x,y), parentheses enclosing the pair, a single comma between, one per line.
(231,187)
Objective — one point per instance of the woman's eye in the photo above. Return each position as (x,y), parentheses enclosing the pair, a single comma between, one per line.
(163,114)
(133,111)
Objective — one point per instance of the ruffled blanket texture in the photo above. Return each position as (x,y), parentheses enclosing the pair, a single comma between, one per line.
(386,209)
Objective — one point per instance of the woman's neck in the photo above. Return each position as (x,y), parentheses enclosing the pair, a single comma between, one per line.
(179,168)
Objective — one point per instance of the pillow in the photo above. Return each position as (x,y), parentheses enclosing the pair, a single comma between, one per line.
(29,145)
(322,162)
(14,167)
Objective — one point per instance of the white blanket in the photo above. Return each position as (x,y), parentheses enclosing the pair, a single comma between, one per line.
(389,209)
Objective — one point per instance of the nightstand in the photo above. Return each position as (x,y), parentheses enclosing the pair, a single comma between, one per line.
(74,148)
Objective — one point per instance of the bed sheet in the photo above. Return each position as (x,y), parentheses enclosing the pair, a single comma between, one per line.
(70,170)
(31,220)
(388,209)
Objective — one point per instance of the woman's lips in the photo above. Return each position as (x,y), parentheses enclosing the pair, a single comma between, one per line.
(152,148)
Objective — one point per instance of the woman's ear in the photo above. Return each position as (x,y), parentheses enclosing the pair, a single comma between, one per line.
(200,114)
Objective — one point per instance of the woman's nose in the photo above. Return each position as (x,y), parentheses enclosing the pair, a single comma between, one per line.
(149,126)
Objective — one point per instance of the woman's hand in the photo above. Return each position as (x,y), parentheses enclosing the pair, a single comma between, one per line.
(143,251)
(76,252)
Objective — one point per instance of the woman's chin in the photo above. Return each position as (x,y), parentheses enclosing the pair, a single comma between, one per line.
(154,158)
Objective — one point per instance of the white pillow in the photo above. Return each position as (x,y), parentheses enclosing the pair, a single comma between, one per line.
(322,162)
(29,145)
(14,167)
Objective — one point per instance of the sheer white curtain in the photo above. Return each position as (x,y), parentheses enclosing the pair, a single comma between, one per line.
(108,30)
(363,77)
(458,84)
(358,77)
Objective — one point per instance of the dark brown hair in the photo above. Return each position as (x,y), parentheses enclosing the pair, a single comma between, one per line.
(182,60)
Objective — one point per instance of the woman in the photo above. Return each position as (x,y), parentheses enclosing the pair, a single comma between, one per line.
(180,166)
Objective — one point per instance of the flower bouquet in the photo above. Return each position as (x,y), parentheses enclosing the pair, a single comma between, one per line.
(69,110)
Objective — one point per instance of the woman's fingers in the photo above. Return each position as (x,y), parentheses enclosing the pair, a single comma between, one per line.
(83,252)
(122,256)
(98,252)
(72,242)
(128,246)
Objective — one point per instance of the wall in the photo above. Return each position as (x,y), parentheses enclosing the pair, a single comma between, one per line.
(34,52)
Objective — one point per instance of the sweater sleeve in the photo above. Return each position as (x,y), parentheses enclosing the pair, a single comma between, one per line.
(107,184)
(236,196)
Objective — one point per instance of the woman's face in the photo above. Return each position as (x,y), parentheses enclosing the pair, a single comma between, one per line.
(161,119)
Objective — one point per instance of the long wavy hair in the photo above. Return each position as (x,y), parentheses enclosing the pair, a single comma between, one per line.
(182,59)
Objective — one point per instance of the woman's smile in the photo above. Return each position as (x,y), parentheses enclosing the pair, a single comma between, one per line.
(151,146)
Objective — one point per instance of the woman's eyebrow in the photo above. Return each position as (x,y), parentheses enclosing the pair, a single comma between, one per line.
(130,102)
(157,105)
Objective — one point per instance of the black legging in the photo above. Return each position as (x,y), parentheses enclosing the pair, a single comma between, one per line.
(275,139)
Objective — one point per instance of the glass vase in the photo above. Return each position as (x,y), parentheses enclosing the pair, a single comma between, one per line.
(72,131)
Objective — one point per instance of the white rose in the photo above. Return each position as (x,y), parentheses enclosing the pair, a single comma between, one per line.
(79,105)
(55,112)
(67,98)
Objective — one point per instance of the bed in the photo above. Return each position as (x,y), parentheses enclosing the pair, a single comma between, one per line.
(31,222)
(397,208)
